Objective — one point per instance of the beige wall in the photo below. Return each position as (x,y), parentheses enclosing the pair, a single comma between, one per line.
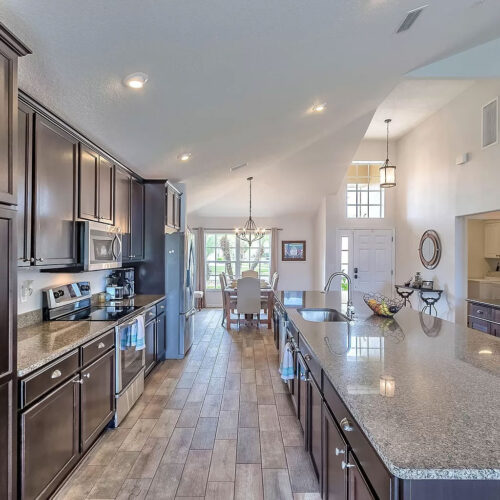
(477,265)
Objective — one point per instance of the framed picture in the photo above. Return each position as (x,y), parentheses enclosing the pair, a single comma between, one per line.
(427,285)
(293,250)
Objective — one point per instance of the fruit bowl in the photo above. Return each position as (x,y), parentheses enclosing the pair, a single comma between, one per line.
(383,306)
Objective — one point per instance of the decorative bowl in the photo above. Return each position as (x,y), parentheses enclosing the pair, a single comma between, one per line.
(382,305)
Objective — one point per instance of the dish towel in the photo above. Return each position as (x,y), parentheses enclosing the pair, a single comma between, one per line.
(140,340)
(134,336)
(286,367)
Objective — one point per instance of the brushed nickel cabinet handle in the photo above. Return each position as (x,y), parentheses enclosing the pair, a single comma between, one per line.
(347,465)
(101,345)
(86,375)
(346,425)
(308,357)
(40,259)
(79,381)
(56,374)
(339,452)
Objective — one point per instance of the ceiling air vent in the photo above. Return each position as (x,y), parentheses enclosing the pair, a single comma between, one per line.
(410,18)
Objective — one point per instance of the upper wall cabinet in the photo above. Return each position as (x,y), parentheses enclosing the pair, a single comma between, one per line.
(55,179)
(492,240)
(122,209)
(173,208)
(136,221)
(10,49)
(96,186)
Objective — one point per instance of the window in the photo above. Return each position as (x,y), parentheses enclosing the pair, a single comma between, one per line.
(226,253)
(364,196)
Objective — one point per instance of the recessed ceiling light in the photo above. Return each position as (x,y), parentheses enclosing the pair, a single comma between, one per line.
(485,351)
(136,80)
(184,156)
(319,108)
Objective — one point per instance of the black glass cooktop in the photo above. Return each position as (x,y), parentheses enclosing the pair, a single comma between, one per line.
(110,313)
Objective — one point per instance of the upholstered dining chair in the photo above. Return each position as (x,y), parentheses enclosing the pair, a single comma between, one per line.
(250,274)
(248,299)
(225,298)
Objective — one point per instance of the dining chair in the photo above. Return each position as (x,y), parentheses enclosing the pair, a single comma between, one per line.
(225,298)
(250,274)
(248,298)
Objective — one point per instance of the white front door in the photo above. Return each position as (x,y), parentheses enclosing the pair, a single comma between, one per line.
(369,258)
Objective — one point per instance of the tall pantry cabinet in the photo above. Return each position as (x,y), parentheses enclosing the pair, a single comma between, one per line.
(10,49)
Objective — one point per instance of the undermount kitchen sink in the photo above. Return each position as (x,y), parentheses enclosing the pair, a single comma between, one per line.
(320,315)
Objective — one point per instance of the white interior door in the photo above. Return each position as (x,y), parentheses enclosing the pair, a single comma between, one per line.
(370,258)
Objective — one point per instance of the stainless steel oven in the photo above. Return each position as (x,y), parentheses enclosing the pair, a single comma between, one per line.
(130,364)
(102,246)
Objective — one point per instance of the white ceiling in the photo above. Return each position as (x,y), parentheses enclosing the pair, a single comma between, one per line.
(410,103)
(231,82)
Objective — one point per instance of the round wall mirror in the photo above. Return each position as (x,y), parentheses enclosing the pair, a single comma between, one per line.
(430,249)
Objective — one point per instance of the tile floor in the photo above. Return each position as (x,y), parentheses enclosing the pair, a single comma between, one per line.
(218,424)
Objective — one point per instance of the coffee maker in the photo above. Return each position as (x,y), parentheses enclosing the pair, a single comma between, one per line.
(124,277)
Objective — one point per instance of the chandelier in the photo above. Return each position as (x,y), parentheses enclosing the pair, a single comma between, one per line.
(387,171)
(250,232)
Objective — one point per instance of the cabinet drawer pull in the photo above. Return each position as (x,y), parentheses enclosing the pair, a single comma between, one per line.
(339,452)
(39,259)
(478,311)
(346,425)
(79,381)
(308,357)
(101,345)
(162,307)
(347,465)
(86,375)
(56,374)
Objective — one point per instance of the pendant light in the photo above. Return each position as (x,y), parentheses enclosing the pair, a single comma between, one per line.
(387,171)
(250,232)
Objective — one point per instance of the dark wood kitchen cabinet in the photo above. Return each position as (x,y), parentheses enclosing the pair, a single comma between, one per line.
(49,436)
(55,179)
(357,488)
(96,186)
(150,338)
(136,220)
(161,337)
(24,173)
(97,398)
(315,423)
(10,50)
(173,207)
(122,209)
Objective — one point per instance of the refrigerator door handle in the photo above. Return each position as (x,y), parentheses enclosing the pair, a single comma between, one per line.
(189,313)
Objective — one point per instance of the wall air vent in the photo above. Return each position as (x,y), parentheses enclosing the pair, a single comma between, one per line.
(489,124)
(410,18)
(237,167)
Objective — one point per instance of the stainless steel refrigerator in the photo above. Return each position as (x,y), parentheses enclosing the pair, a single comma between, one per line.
(180,282)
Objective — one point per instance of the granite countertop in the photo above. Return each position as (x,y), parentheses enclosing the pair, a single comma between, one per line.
(442,422)
(43,342)
(486,302)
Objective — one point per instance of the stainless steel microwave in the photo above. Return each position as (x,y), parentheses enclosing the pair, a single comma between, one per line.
(102,246)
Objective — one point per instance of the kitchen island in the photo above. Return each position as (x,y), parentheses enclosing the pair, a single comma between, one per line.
(435,432)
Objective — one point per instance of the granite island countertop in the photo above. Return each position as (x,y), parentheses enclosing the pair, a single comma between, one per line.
(442,422)
(43,342)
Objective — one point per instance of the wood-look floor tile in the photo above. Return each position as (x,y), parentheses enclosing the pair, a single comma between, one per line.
(248,392)
(133,415)
(279,386)
(134,488)
(265,395)
(80,485)
(248,484)
(262,377)
(227,427)
(178,399)
(149,458)
(230,400)
(272,450)
(165,424)
(301,472)
(249,416)
(167,387)
(178,446)
(189,415)
(284,404)
(194,477)
(166,481)
(138,435)
(248,376)
(248,447)
(276,484)
(216,385)
(268,418)
(291,431)
(204,435)
(197,394)
(223,464)
(211,405)
(233,382)
(106,448)
(219,491)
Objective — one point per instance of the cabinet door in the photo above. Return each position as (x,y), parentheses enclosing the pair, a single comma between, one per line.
(97,398)
(303,390)
(170,204)
(177,211)
(492,240)
(8,124)
(334,484)
(495,329)
(358,488)
(55,169)
(106,190)
(49,441)
(161,337)
(137,221)
(150,345)
(315,404)
(122,210)
(24,184)
(479,324)
(88,183)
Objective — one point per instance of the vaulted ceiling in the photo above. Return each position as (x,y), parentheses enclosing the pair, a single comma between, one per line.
(231,81)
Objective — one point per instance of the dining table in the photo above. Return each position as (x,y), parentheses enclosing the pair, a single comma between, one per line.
(265,290)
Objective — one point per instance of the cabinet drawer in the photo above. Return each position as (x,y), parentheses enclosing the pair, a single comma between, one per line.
(160,307)
(42,381)
(478,311)
(371,464)
(150,314)
(311,361)
(479,324)
(495,315)
(98,346)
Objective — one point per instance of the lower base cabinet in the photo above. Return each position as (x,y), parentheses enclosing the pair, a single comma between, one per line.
(161,337)
(156,341)
(97,401)
(315,405)
(357,487)
(49,440)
